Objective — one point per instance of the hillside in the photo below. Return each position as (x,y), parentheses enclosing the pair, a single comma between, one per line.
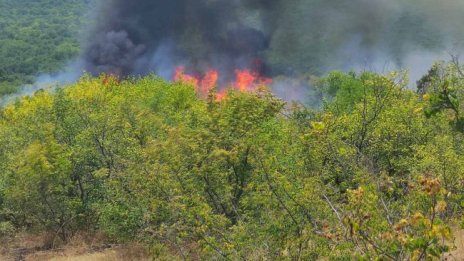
(177,143)
(37,36)
(378,172)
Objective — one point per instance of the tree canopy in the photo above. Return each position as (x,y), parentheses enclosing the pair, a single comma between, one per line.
(36,37)
(373,175)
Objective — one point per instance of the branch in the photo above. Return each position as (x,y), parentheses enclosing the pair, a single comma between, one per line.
(333,208)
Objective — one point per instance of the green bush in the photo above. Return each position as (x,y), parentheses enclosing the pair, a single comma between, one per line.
(368,176)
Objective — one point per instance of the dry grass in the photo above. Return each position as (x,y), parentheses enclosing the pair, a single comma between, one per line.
(458,253)
(82,247)
(129,253)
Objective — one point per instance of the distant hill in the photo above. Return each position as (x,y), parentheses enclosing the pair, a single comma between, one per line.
(37,36)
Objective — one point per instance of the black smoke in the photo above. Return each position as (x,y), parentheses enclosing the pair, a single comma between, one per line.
(291,37)
(132,37)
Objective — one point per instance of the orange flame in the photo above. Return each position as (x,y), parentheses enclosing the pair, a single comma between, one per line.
(245,81)
(220,95)
(109,79)
(181,76)
(209,81)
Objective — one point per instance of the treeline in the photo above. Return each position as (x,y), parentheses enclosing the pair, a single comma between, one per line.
(37,36)
(376,174)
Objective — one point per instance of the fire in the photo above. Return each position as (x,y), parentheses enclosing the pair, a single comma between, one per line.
(245,81)
(203,85)
(110,79)
(220,95)
(181,76)
(209,81)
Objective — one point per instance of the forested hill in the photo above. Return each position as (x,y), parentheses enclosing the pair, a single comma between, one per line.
(188,170)
(377,174)
(37,36)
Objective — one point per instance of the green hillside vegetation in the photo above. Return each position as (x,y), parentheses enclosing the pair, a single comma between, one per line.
(37,36)
(376,174)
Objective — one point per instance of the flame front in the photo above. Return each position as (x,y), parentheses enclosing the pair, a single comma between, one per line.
(209,81)
(245,81)
(181,76)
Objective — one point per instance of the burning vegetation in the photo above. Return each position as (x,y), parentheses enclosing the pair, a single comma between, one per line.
(245,81)
(290,38)
(207,165)
(248,178)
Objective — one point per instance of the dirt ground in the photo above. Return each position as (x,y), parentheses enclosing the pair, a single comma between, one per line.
(458,253)
(31,248)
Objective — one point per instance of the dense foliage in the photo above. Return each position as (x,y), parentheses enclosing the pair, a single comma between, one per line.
(37,36)
(377,173)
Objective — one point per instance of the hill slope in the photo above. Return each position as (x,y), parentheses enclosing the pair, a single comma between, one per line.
(377,173)
(37,36)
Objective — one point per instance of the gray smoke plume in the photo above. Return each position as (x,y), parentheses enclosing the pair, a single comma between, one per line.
(289,36)
(136,37)
(285,39)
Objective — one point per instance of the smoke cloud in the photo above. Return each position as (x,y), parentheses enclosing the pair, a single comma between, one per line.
(284,39)
(288,36)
